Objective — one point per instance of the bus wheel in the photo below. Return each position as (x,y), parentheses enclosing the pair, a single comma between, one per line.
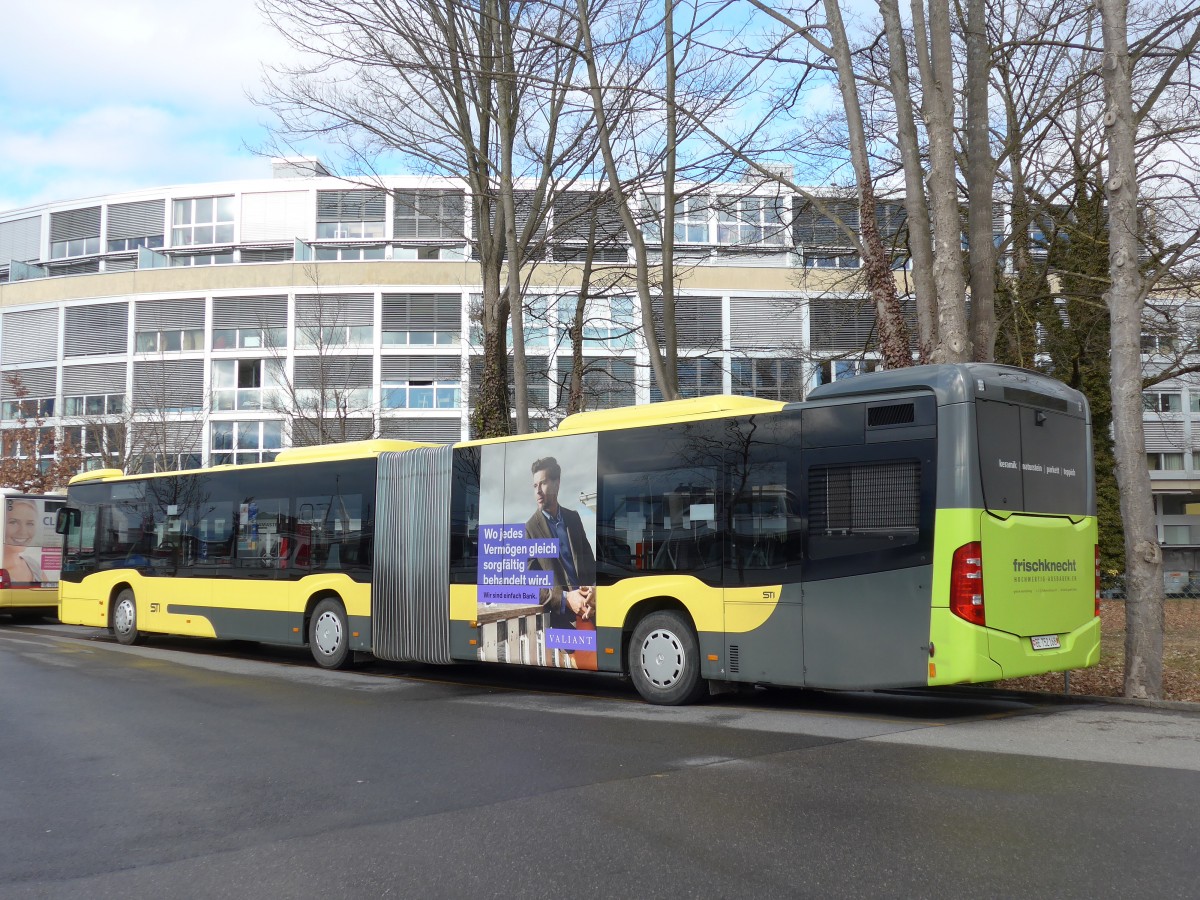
(124,619)
(664,660)
(329,635)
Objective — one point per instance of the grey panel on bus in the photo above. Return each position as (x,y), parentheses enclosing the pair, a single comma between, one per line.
(868,631)
(773,653)
(410,594)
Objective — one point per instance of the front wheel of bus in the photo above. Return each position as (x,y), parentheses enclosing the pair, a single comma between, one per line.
(124,619)
(329,635)
(664,660)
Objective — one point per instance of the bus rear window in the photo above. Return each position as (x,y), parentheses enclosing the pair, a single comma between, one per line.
(1032,460)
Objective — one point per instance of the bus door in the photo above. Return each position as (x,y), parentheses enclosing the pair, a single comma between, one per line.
(763,530)
(869,489)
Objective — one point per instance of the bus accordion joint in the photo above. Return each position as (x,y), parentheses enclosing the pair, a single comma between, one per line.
(966,584)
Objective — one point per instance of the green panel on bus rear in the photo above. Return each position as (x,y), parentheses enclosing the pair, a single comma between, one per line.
(1039,573)
(1038,581)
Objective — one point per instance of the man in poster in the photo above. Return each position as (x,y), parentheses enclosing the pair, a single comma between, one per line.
(571,602)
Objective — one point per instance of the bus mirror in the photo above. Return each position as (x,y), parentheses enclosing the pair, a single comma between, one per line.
(67,518)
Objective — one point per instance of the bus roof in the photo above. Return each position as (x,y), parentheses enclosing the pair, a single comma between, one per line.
(956,383)
(319,453)
(668,411)
(13,493)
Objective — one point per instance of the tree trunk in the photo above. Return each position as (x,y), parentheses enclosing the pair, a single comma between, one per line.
(881,283)
(1143,555)
(935,60)
(506,127)
(981,174)
(491,415)
(920,244)
(669,384)
(664,371)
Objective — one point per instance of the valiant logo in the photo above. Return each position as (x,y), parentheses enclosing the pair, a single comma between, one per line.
(1044,565)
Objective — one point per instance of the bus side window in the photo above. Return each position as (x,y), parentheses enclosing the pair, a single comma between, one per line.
(660,508)
(464,517)
(764,525)
(80,553)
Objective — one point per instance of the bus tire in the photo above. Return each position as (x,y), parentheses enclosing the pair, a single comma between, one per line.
(124,619)
(329,635)
(664,660)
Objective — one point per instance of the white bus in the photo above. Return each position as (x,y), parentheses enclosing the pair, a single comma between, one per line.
(32,553)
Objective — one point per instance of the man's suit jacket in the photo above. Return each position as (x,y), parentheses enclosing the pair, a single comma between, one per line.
(537,528)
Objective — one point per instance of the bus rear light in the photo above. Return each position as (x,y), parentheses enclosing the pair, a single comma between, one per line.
(5,581)
(966,583)
(1097,581)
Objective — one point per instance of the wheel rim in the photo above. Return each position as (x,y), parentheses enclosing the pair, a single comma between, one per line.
(327,633)
(123,617)
(663,658)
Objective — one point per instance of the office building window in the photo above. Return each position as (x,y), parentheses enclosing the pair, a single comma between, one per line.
(751,220)
(242,384)
(348,254)
(1165,462)
(691,220)
(1162,402)
(94,405)
(245,443)
(419,394)
(202,220)
(29,408)
(174,340)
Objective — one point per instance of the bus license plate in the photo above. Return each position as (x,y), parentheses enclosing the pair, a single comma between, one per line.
(1045,642)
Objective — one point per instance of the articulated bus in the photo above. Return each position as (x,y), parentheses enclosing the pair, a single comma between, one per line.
(925,526)
(29,574)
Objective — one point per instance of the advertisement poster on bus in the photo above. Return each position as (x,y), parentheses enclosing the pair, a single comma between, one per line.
(537,562)
(32,551)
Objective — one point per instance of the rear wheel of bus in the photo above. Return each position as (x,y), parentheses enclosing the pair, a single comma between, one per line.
(329,634)
(664,660)
(124,618)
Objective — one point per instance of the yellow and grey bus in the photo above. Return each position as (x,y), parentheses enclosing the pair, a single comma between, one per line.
(925,526)
(29,573)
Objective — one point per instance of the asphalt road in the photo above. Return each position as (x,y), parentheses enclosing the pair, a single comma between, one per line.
(194,769)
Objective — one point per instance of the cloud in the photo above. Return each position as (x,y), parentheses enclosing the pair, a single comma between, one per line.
(109,149)
(99,98)
(199,56)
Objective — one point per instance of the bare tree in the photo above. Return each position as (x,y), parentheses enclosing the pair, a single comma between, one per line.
(327,397)
(469,90)
(1059,161)
(1143,555)
(662,80)
(892,330)
(30,458)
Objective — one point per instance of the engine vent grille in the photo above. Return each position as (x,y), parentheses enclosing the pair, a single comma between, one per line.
(892,414)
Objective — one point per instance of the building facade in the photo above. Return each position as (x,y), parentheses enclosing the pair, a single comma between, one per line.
(219,323)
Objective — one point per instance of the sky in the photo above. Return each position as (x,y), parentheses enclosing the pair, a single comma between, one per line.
(105,97)
(99,98)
